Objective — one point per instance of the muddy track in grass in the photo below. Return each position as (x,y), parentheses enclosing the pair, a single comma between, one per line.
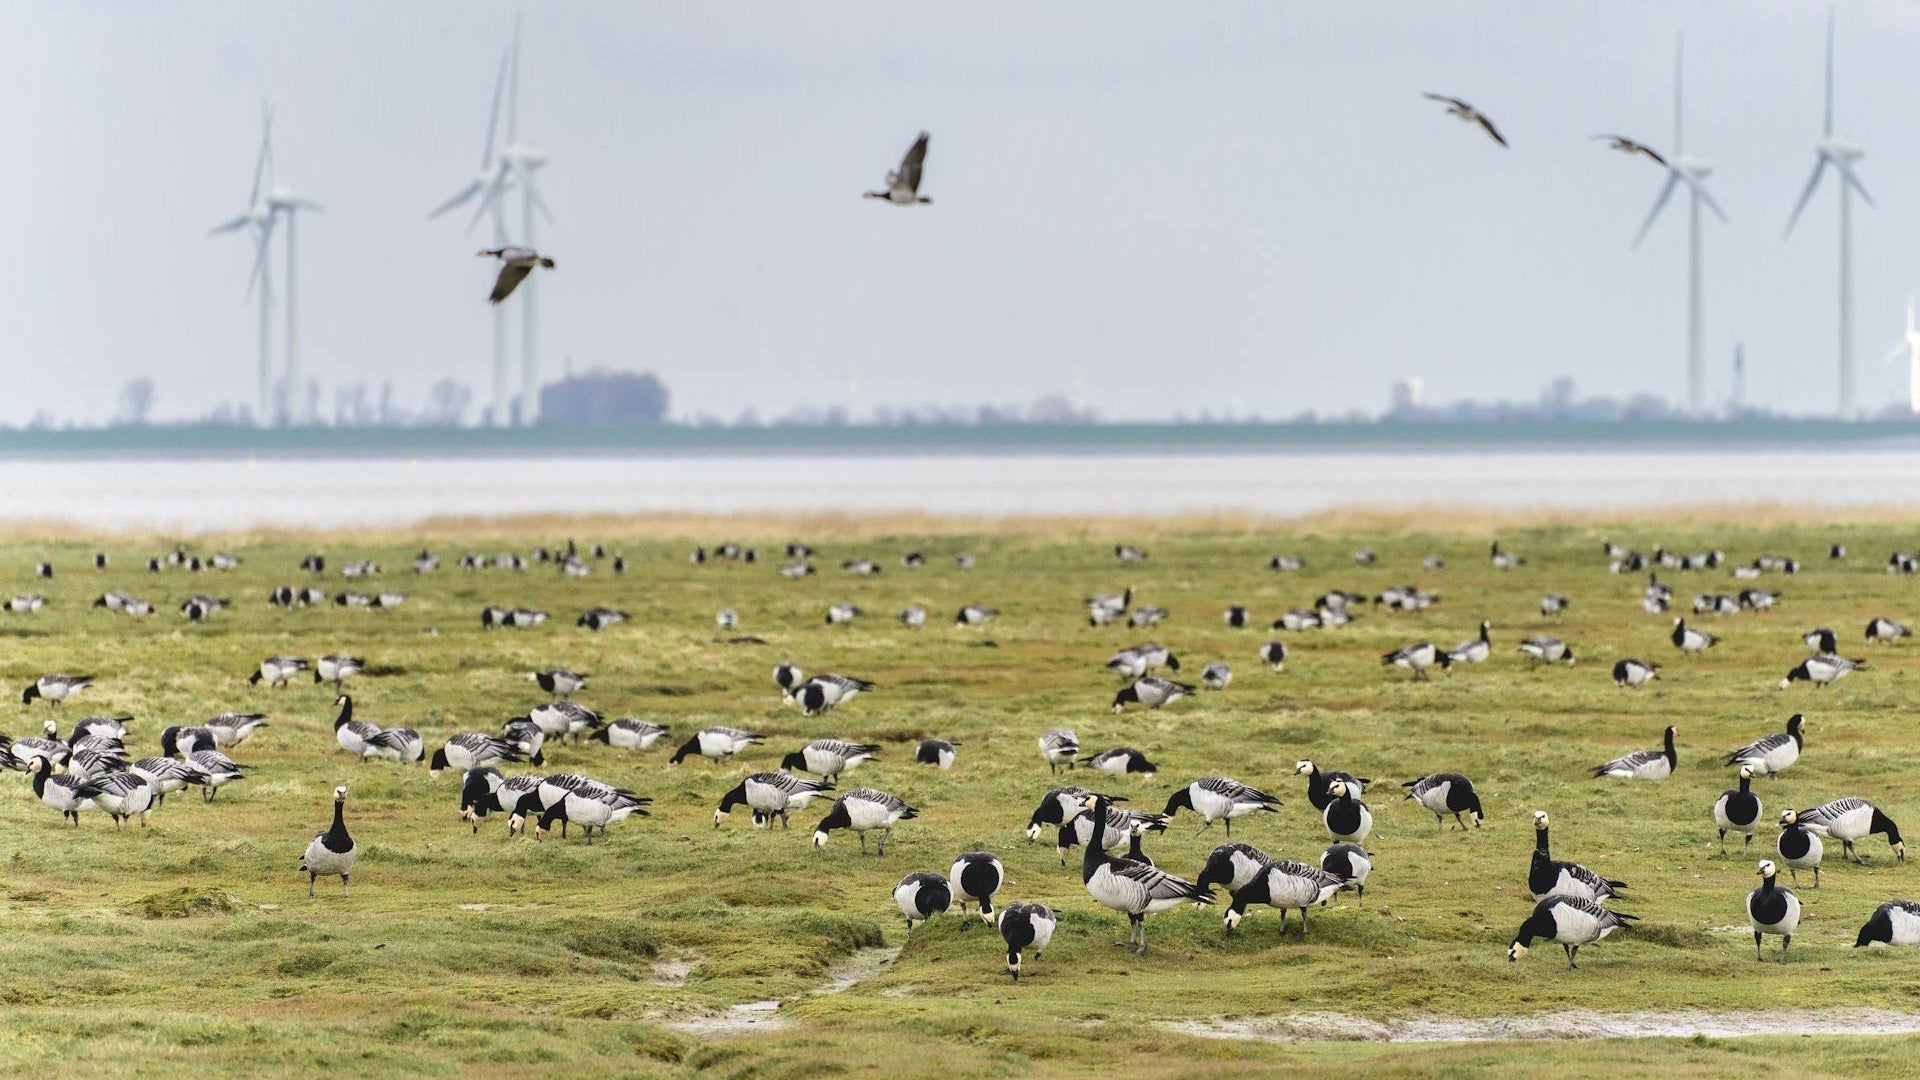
(1571,1024)
(765,1015)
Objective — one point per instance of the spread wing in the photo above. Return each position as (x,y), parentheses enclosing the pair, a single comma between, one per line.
(1491,130)
(511,274)
(910,166)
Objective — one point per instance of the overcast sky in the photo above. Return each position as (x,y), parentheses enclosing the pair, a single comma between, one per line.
(1232,206)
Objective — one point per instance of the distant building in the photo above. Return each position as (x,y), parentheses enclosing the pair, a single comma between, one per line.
(604,399)
(1409,394)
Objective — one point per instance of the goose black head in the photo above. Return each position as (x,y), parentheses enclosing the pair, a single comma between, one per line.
(837,818)
(556,812)
(602,734)
(1179,800)
(795,762)
(736,797)
(437,762)
(690,747)
(1127,694)
(1257,891)
(1879,927)
(32,691)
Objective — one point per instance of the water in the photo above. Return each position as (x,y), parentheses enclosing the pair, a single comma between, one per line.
(186,495)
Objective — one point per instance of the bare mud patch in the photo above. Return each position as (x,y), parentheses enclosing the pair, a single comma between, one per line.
(1572,1024)
(765,1015)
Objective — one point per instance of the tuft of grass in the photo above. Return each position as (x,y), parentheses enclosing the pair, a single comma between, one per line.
(186,902)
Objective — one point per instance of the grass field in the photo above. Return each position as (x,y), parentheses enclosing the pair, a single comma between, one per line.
(191,948)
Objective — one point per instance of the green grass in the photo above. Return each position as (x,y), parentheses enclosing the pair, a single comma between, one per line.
(191,948)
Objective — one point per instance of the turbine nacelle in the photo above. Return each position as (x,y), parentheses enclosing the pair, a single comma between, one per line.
(1839,150)
(1693,168)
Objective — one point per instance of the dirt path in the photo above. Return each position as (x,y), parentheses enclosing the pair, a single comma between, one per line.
(1573,1024)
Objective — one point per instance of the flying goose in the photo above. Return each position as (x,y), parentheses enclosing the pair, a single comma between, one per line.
(1284,884)
(1216,676)
(1130,887)
(1738,810)
(1821,670)
(976,876)
(1218,798)
(1772,910)
(1851,819)
(1547,877)
(1121,761)
(1633,673)
(1896,922)
(515,264)
(921,895)
(827,691)
(718,743)
(337,668)
(1642,764)
(1476,650)
(1689,641)
(1447,793)
(334,851)
(1274,655)
(1059,746)
(1151,691)
(628,733)
(1630,146)
(1318,782)
(125,795)
(471,750)
(1546,650)
(828,758)
(1025,926)
(68,794)
(903,183)
(770,794)
(558,682)
(940,752)
(1885,630)
(1417,658)
(1799,847)
(1569,921)
(1351,863)
(1769,754)
(1345,816)
(864,810)
(55,688)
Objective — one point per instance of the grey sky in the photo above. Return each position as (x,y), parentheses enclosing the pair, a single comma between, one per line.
(1198,206)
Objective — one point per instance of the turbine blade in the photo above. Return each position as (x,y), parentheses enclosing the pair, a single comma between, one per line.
(258,276)
(1828,130)
(1813,181)
(1666,192)
(513,87)
(459,197)
(493,118)
(1707,197)
(229,226)
(491,196)
(540,204)
(260,163)
(1846,173)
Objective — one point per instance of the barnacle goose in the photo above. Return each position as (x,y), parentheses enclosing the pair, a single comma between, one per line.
(1365,557)
(1434,561)
(1298,619)
(1345,816)
(1715,604)
(1139,660)
(595,619)
(1351,863)
(1476,650)
(1769,754)
(1799,846)
(1274,655)
(827,691)
(1319,781)
(352,599)
(1284,884)
(842,614)
(860,567)
(1642,764)
(309,596)
(1504,560)
(1772,910)
(1218,798)
(398,744)
(112,600)
(864,810)
(470,750)
(125,795)
(718,743)
(68,794)
(1738,810)
(788,678)
(1821,640)
(1417,658)
(727,619)
(558,681)
(1548,877)
(1554,604)
(356,737)
(166,775)
(1851,819)
(26,604)
(232,728)
(1236,616)
(25,753)
(1216,676)
(1285,562)
(1129,552)
(1131,887)
(1059,746)
(1231,866)
(1837,551)
(1119,827)
(940,752)
(796,570)
(913,560)
(1025,926)
(334,851)
(181,740)
(828,758)
(587,803)
(425,563)
(770,794)
(1151,691)
(1821,670)
(974,615)
(1757,599)
(1569,921)
(1633,673)
(976,876)
(1121,761)
(1896,922)
(921,895)
(1689,641)
(1885,630)
(216,770)
(337,668)
(1104,609)
(1055,808)
(99,560)
(1146,615)
(55,688)
(913,616)
(1546,650)
(628,733)
(1447,793)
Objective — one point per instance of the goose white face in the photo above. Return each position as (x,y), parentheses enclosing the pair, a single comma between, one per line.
(1033,833)
(1789,817)
(819,839)
(340,793)
(1515,951)
(1337,789)
(1302,768)
(1766,868)
(1746,772)
(1539,819)
(1233,919)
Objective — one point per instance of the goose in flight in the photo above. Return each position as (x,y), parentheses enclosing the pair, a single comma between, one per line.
(903,184)
(515,264)
(1631,146)
(1466,112)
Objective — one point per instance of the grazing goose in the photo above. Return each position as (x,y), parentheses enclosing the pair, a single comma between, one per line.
(842,614)
(828,758)
(1232,866)
(68,794)
(1799,847)
(1129,553)
(316,564)
(333,852)
(1633,673)
(470,750)
(112,600)
(727,619)
(794,571)
(1220,798)
(166,775)
(1365,557)
(788,678)
(1146,615)
(913,616)
(1285,562)
(1738,810)
(1318,782)
(940,752)
(1851,819)
(99,560)
(824,692)
(351,599)
(1055,808)
(1821,670)
(770,794)
(1132,663)
(1236,616)
(1546,650)
(1299,619)
(1121,761)
(26,604)
(337,668)
(1769,754)
(1642,764)
(1772,910)
(356,737)
(1886,631)
(55,688)
(1447,793)
(277,671)
(595,619)
(1548,877)
(1216,676)
(903,183)
(718,743)
(125,795)
(1130,887)
(1503,560)
(1103,610)
(1471,115)
(1476,650)
(962,560)
(1715,604)
(1284,884)
(976,876)
(1417,658)
(586,803)
(1896,922)
(1757,599)
(181,740)
(25,754)
(913,560)
(864,810)
(308,596)
(216,770)
(628,733)
(1689,641)
(861,567)
(558,682)
(1554,604)
(1120,827)
(1569,921)
(232,728)
(1025,926)
(1837,551)
(974,615)
(1351,863)
(1345,816)
(1151,691)
(426,562)
(398,744)
(1274,655)
(515,264)
(1059,746)
(921,895)
(1821,640)
(112,727)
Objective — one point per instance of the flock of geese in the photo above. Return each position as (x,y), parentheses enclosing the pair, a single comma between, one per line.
(92,769)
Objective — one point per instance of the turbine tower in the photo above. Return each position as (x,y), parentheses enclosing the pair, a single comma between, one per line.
(1910,345)
(257,219)
(494,172)
(285,201)
(1841,154)
(1693,172)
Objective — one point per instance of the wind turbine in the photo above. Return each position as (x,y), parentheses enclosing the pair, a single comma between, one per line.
(517,163)
(494,174)
(1683,168)
(1841,154)
(1911,346)
(257,219)
(285,201)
